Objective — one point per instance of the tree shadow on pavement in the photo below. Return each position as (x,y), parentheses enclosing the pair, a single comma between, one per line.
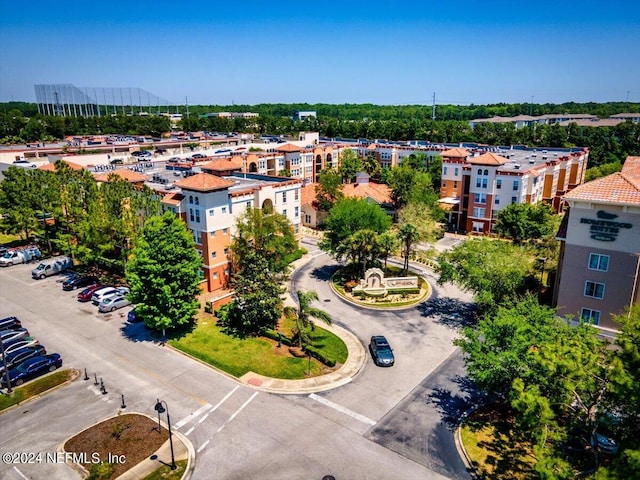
(448,311)
(453,406)
(325,272)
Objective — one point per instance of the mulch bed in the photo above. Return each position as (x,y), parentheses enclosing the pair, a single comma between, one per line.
(134,436)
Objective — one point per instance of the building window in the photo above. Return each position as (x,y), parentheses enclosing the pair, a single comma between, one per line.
(594,289)
(226,271)
(196,200)
(590,316)
(455,184)
(211,212)
(444,170)
(284,197)
(212,234)
(497,200)
(296,212)
(499,183)
(191,199)
(197,216)
(224,209)
(214,254)
(516,185)
(226,251)
(481,198)
(224,231)
(307,219)
(296,194)
(455,171)
(196,237)
(215,275)
(284,212)
(486,172)
(478,212)
(598,262)
(514,199)
(248,204)
(479,171)
(191,217)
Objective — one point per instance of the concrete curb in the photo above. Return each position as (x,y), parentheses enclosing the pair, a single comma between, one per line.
(75,373)
(457,437)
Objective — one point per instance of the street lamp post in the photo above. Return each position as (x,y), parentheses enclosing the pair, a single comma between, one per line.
(6,370)
(161,409)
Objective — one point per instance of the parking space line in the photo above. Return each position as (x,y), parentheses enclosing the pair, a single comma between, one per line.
(193,415)
(19,472)
(342,409)
(225,398)
(202,447)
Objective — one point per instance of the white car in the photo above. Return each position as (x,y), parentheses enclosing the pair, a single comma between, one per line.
(101,293)
(113,302)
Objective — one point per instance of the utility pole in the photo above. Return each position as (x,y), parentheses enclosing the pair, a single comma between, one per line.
(433,110)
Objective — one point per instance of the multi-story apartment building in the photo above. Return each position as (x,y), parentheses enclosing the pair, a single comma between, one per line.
(477,184)
(599,263)
(210,205)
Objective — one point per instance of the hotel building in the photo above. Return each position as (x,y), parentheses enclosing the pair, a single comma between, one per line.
(599,264)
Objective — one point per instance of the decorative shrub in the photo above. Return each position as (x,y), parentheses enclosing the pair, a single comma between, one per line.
(319,356)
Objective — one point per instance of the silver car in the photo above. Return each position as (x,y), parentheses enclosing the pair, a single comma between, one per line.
(113,302)
(102,293)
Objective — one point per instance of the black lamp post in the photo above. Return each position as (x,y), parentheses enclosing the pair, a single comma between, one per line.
(6,370)
(161,409)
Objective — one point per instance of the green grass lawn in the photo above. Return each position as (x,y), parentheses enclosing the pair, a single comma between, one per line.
(34,387)
(238,356)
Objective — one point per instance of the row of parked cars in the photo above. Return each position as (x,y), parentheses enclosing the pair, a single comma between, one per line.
(107,298)
(22,356)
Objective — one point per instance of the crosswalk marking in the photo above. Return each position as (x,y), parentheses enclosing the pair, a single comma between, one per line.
(342,409)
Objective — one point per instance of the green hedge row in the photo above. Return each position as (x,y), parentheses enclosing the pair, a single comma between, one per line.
(403,290)
(273,335)
(315,353)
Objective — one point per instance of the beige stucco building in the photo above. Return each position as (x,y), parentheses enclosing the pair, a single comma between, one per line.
(599,264)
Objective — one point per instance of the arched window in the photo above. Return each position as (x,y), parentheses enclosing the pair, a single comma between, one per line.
(486,172)
(479,171)
(197,201)
(191,199)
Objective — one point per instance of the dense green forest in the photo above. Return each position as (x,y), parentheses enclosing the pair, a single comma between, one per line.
(20,122)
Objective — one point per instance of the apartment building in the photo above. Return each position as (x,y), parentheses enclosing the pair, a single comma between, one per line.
(599,263)
(210,205)
(477,183)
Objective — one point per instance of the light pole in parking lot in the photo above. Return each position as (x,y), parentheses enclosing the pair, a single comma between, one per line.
(161,409)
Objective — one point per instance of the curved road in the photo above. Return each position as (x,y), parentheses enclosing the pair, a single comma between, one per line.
(416,403)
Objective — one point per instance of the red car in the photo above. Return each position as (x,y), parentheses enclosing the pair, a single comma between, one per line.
(86,294)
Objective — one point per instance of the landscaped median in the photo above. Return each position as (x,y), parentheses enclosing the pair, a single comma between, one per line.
(262,355)
(36,387)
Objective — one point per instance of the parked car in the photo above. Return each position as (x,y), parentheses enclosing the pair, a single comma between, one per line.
(19,255)
(100,294)
(15,334)
(381,351)
(13,345)
(32,368)
(133,317)
(78,281)
(113,302)
(51,266)
(198,156)
(16,357)
(9,323)
(86,294)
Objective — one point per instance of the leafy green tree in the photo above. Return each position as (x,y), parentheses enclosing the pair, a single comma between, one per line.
(523,221)
(304,315)
(347,217)
(361,248)
(388,243)
(350,165)
(371,165)
(408,236)
(257,305)
(164,273)
(17,205)
(494,271)
(270,234)
(424,218)
(328,189)
(410,185)
(285,172)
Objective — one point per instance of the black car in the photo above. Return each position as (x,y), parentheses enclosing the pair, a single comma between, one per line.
(16,357)
(381,351)
(132,317)
(32,368)
(10,323)
(76,282)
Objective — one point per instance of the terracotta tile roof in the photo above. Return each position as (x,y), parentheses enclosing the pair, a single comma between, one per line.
(173,198)
(487,159)
(289,148)
(631,167)
(456,153)
(617,188)
(124,173)
(51,166)
(308,194)
(378,192)
(222,164)
(204,182)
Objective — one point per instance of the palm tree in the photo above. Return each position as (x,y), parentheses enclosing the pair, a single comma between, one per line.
(388,243)
(305,314)
(408,235)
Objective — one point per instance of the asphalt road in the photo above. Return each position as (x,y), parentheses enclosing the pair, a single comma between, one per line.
(237,432)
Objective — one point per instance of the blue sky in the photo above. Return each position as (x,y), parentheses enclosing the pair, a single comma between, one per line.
(382,52)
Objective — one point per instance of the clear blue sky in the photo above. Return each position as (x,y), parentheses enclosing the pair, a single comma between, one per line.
(382,52)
